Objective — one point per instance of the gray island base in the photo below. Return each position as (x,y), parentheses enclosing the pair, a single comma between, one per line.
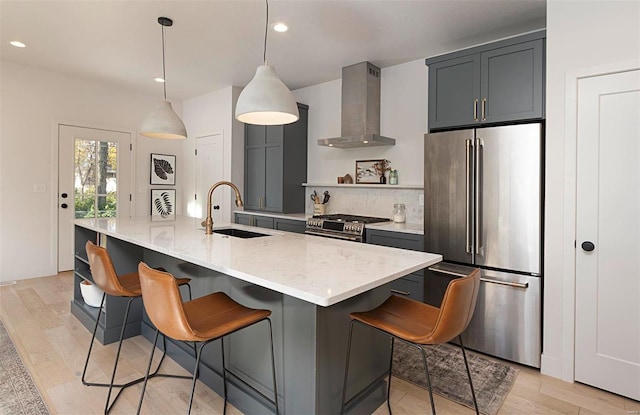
(310,340)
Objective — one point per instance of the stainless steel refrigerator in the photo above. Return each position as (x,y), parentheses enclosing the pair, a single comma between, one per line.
(483,208)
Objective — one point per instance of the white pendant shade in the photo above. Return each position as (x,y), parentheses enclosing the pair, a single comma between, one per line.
(163,122)
(266,100)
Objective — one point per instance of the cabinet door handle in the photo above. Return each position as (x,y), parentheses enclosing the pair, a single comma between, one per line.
(475,109)
(406,293)
(484,105)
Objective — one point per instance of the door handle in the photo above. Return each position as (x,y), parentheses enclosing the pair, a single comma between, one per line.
(216,207)
(478,195)
(64,206)
(475,109)
(588,246)
(468,248)
(64,195)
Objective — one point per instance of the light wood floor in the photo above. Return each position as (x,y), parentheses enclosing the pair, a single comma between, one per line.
(53,345)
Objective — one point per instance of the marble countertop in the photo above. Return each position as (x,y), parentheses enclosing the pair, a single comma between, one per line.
(415,228)
(293,216)
(319,270)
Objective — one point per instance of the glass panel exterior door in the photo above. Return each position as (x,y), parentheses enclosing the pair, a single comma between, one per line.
(95,181)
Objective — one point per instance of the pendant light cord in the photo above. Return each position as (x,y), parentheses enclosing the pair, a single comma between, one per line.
(164,76)
(266,31)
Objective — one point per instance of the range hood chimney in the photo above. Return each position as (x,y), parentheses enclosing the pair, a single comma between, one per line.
(360,109)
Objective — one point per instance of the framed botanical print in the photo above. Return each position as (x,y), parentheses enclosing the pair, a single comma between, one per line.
(163,204)
(369,171)
(163,169)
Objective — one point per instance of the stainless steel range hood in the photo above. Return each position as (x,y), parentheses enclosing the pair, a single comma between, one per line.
(360,109)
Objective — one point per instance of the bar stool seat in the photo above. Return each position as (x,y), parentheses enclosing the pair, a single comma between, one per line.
(419,324)
(127,286)
(204,320)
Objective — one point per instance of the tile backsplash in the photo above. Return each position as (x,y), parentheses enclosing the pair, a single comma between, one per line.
(369,201)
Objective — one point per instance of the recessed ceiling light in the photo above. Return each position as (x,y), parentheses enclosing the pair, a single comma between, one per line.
(280,27)
(18,44)
(158,80)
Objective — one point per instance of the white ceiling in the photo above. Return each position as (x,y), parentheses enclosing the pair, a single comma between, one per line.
(216,43)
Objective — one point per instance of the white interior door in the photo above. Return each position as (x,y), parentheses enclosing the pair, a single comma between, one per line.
(94,180)
(607,346)
(209,170)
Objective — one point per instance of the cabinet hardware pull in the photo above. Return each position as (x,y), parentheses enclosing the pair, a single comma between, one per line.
(484,104)
(510,284)
(475,110)
(400,292)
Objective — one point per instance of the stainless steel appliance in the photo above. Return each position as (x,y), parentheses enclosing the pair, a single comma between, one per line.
(483,207)
(341,226)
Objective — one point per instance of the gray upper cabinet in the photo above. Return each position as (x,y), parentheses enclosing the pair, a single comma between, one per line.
(488,84)
(276,166)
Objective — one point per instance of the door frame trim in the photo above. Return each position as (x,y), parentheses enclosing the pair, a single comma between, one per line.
(565,367)
(55,164)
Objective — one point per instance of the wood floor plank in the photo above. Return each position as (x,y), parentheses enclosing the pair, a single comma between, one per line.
(53,345)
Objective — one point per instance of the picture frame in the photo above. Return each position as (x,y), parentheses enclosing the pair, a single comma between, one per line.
(163,205)
(369,171)
(162,169)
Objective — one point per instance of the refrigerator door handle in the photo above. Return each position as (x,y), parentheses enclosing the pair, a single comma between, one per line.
(510,284)
(478,195)
(468,249)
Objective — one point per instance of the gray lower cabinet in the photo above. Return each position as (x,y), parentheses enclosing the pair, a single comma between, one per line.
(411,285)
(254,220)
(289,225)
(494,83)
(276,166)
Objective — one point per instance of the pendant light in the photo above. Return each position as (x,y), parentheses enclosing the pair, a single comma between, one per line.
(163,122)
(266,100)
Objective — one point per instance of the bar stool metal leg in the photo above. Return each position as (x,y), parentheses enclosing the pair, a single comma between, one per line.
(224,377)
(146,376)
(426,369)
(390,371)
(95,329)
(466,364)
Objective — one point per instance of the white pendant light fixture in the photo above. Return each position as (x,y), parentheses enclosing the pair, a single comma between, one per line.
(163,122)
(266,100)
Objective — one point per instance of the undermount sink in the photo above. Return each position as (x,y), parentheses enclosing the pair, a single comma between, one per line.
(239,233)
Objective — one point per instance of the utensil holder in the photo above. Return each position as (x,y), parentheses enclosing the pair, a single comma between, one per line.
(319,209)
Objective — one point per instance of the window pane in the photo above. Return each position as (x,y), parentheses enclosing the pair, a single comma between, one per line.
(84,205)
(95,178)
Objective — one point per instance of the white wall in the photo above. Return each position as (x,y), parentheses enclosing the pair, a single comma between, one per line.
(403,116)
(32,101)
(205,115)
(580,35)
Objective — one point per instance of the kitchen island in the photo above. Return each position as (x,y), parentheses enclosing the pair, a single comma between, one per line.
(310,284)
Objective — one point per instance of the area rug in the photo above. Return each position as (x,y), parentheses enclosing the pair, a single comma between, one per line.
(18,394)
(492,380)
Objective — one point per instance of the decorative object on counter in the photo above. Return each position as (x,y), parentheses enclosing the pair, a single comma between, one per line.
(340,180)
(393,176)
(163,204)
(91,294)
(399,213)
(319,202)
(266,100)
(371,171)
(163,169)
(163,122)
(347,179)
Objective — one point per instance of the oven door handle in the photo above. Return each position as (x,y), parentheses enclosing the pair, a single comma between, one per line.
(332,235)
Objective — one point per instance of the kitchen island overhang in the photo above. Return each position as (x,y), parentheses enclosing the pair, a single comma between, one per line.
(310,283)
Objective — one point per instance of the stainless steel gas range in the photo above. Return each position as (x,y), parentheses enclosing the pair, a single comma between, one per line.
(341,226)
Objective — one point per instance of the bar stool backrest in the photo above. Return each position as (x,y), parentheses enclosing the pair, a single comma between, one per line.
(163,303)
(457,308)
(102,270)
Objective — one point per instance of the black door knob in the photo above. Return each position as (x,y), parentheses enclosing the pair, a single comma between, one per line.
(216,207)
(588,246)
(64,195)
(64,206)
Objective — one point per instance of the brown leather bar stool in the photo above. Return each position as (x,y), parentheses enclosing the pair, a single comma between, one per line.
(204,320)
(127,285)
(419,324)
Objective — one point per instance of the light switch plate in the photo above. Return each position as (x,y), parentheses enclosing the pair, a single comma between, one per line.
(39,188)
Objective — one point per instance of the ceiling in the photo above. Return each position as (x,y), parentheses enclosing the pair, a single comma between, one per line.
(216,43)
